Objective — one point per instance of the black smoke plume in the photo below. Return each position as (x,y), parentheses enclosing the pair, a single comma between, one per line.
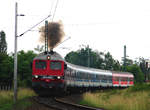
(55,34)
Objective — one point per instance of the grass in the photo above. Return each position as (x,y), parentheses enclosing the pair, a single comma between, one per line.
(133,98)
(6,99)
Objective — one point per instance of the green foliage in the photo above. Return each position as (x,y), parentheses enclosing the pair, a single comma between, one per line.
(87,57)
(110,63)
(22,104)
(3,44)
(6,99)
(6,66)
(139,87)
(133,98)
(24,67)
(72,57)
(138,75)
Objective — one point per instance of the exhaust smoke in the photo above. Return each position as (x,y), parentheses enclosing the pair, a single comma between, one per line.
(55,34)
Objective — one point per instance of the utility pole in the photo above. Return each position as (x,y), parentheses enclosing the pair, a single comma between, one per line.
(124,57)
(15,52)
(15,48)
(15,56)
(46,36)
(88,56)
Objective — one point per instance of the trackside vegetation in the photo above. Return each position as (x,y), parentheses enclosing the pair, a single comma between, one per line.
(133,98)
(6,99)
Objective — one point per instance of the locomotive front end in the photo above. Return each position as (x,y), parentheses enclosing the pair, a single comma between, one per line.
(48,73)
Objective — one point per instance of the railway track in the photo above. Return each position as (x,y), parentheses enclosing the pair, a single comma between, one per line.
(58,104)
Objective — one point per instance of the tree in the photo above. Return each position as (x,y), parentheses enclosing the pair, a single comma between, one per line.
(72,57)
(84,57)
(39,49)
(144,67)
(87,57)
(138,75)
(6,61)
(3,44)
(6,64)
(24,67)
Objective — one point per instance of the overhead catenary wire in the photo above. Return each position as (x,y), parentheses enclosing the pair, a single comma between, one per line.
(51,7)
(63,41)
(50,14)
(40,21)
(34,26)
(55,10)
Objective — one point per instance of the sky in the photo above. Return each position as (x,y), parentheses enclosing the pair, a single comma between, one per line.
(104,25)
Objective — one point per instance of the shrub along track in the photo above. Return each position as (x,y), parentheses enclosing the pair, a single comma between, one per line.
(59,104)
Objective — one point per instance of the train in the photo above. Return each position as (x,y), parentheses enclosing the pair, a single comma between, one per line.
(52,74)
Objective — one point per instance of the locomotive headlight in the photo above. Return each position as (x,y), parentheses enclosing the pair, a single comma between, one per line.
(48,57)
(58,77)
(36,76)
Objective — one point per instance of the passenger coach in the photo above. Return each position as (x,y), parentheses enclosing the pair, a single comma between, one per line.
(87,77)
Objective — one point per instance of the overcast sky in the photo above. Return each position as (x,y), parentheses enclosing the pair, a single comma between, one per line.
(106,25)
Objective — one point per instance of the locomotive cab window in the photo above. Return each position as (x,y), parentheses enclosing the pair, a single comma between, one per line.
(40,64)
(55,65)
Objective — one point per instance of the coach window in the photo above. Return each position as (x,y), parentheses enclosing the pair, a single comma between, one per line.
(69,71)
(100,77)
(75,75)
(114,78)
(110,79)
(85,76)
(71,74)
(124,79)
(39,64)
(94,76)
(88,76)
(131,79)
(97,77)
(82,75)
(103,78)
(121,79)
(117,78)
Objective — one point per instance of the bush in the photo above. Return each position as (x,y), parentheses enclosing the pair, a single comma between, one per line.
(139,87)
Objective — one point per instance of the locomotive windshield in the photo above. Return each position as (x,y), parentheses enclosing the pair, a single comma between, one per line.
(40,64)
(55,65)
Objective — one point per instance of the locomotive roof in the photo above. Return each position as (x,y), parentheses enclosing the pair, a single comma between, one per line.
(89,70)
(53,56)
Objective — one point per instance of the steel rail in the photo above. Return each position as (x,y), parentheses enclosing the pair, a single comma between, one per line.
(59,104)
